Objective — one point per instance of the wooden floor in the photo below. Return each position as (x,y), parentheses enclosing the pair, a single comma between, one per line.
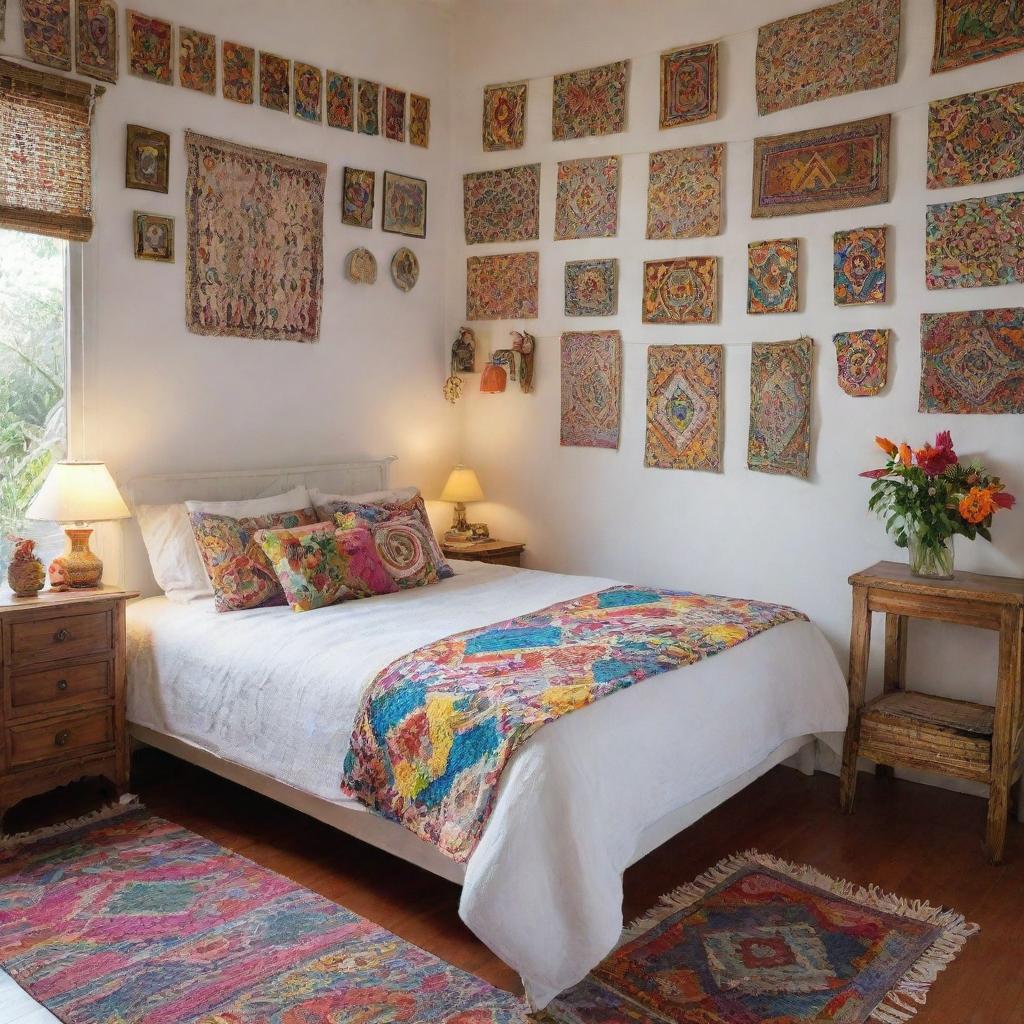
(914,840)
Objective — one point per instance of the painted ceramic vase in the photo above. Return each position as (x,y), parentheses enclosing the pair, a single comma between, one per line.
(25,574)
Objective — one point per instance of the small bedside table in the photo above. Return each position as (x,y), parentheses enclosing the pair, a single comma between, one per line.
(496,552)
(62,710)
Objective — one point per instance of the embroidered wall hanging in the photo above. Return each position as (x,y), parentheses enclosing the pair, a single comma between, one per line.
(308,86)
(394,114)
(969,31)
(834,168)
(239,73)
(275,84)
(361,266)
(368,108)
(833,50)
(149,48)
(587,199)
(689,85)
(502,205)
(405,269)
(683,290)
(46,32)
(97,50)
(502,287)
(859,266)
(405,205)
(590,102)
(504,116)
(197,60)
(147,159)
(684,407)
(684,192)
(773,276)
(154,237)
(592,288)
(357,188)
(340,106)
(973,362)
(862,358)
(419,120)
(975,242)
(591,389)
(780,407)
(275,203)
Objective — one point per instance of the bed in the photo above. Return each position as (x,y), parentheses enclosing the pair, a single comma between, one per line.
(268,698)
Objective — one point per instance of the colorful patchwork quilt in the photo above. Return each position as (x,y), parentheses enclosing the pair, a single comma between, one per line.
(437,727)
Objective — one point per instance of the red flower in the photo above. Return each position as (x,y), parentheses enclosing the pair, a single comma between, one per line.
(875,474)
(1004,499)
(935,460)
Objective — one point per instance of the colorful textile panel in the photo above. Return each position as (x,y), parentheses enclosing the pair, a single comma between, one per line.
(149,48)
(394,114)
(587,200)
(97,50)
(684,192)
(833,168)
(419,120)
(591,364)
(504,124)
(340,103)
(973,362)
(684,407)
(859,274)
(592,288)
(773,276)
(197,60)
(437,727)
(502,205)
(177,930)
(308,86)
(833,50)
(681,291)
(404,546)
(862,358)
(405,205)
(975,242)
(780,407)
(357,188)
(46,32)
(969,31)
(368,108)
(277,203)
(502,287)
(976,137)
(239,73)
(275,82)
(689,85)
(590,102)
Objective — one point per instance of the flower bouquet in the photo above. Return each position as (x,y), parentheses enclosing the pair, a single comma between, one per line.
(928,496)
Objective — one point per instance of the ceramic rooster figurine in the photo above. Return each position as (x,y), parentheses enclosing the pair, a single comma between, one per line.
(25,574)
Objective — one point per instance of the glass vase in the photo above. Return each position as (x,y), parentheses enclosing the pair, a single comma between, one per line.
(931,559)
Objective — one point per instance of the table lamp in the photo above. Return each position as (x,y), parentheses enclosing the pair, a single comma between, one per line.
(462,486)
(79,493)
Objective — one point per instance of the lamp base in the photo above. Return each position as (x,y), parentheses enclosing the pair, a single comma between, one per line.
(79,569)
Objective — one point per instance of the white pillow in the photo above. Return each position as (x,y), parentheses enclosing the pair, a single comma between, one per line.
(173,556)
(318,497)
(290,501)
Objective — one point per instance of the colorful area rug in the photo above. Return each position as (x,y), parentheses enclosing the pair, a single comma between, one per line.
(757,940)
(128,918)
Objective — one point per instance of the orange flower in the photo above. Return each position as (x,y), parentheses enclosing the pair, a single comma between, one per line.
(977,505)
(906,455)
(886,445)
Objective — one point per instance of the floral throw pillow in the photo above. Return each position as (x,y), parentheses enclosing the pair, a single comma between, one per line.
(403,545)
(239,571)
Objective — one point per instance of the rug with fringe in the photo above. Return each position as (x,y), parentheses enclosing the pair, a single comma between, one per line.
(756,939)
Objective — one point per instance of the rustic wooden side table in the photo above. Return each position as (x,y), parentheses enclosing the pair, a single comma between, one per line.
(495,552)
(962,739)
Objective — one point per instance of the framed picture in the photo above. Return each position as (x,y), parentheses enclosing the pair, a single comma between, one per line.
(154,237)
(405,205)
(147,159)
(357,197)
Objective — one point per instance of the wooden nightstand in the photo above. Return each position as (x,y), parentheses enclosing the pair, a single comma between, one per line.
(62,710)
(496,552)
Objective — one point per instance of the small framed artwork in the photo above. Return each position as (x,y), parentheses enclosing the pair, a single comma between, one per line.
(147,156)
(275,91)
(357,197)
(308,86)
(394,114)
(150,43)
(239,72)
(96,52)
(154,237)
(197,60)
(405,205)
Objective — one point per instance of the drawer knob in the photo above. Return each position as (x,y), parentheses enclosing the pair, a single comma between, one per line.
(62,684)
(61,635)
(61,739)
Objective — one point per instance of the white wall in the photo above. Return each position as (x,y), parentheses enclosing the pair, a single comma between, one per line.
(737,532)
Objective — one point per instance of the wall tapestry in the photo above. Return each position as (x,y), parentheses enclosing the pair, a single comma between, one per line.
(394,114)
(368,108)
(275,84)
(197,60)
(862,358)
(587,200)
(504,116)
(684,192)
(46,32)
(307,84)
(357,189)
(97,50)
(973,362)
(340,112)
(502,287)
(502,205)
(149,48)
(858,258)
(773,276)
(832,168)
(154,237)
(833,50)
(255,242)
(590,102)
(405,269)
(975,242)
(689,85)
(405,205)
(780,407)
(969,31)
(239,70)
(591,389)
(684,407)
(683,290)
(419,120)
(361,266)
(147,159)
(592,288)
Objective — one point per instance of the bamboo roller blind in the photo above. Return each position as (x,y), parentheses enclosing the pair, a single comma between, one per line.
(45,153)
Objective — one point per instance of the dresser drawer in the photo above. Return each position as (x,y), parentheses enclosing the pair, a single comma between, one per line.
(57,688)
(63,636)
(59,738)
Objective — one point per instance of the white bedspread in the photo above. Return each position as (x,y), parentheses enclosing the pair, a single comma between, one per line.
(278,692)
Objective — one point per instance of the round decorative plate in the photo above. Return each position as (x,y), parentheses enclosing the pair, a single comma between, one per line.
(405,269)
(361,266)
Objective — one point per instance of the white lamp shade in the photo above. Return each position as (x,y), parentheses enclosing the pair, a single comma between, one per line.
(78,492)
(462,486)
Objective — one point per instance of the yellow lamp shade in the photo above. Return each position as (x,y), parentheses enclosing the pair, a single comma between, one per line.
(78,492)
(462,486)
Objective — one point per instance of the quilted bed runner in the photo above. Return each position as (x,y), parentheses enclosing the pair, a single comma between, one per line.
(436,728)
